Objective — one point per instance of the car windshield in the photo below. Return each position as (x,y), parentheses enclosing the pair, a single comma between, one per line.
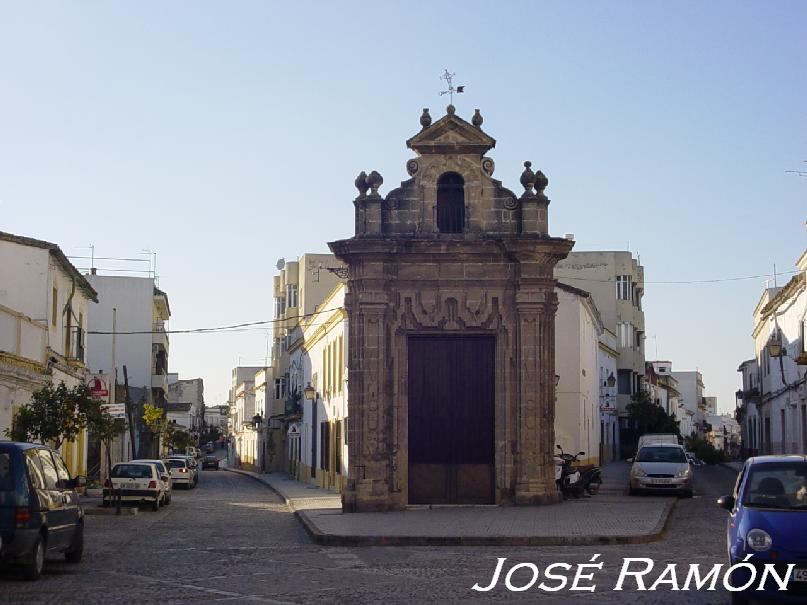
(6,479)
(781,485)
(174,463)
(131,471)
(661,454)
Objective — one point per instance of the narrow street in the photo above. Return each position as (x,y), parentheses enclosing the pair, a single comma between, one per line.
(232,539)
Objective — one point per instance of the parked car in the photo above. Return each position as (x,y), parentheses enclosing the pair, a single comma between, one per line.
(768,519)
(135,482)
(661,467)
(194,452)
(40,513)
(165,478)
(210,462)
(181,471)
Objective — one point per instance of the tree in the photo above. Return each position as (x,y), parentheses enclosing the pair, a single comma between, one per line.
(181,440)
(157,422)
(55,414)
(103,427)
(649,417)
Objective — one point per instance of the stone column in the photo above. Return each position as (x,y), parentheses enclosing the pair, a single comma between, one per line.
(534,470)
(368,487)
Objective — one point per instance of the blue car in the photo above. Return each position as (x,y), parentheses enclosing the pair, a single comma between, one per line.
(768,519)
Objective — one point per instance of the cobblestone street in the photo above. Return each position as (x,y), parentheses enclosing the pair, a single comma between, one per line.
(232,539)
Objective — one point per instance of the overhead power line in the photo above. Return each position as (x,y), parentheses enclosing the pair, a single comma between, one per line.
(232,327)
(690,281)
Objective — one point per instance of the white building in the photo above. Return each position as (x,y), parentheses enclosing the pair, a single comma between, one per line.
(322,359)
(615,281)
(190,393)
(609,413)
(129,328)
(774,402)
(577,410)
(216,416)
(690,402)
(44,306)
(244,429)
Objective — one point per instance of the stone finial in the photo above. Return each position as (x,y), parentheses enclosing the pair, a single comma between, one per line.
(374,180)
(450,110)
(528,179)
(361,184)
(540,183)
(477,119)
(425,118)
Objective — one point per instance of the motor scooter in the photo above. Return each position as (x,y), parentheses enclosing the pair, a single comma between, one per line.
(590,476)
(567,477)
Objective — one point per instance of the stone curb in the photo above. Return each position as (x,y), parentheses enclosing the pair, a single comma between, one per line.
(327,539)
(280,494)
(110,511)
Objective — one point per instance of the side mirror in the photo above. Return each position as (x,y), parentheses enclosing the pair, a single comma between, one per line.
(79,481)
(629,460)
(164,478)
(557,445)
(726,502)
(581,453)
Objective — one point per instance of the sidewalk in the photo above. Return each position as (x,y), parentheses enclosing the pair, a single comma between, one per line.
(575,522)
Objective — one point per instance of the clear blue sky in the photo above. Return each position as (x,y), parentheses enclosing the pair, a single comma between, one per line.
(225,135)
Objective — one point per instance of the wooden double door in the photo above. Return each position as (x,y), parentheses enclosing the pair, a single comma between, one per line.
(451,419)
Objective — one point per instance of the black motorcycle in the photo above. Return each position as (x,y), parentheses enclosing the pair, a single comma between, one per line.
(576,479)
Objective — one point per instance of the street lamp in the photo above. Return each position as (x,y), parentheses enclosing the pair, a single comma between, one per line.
(775,346)
(611,381)
(309,392)
(557,379)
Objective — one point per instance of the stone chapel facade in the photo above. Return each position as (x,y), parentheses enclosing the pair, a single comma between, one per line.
(451,318)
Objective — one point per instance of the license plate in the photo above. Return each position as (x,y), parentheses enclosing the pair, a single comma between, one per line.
(799,575)
(662,481)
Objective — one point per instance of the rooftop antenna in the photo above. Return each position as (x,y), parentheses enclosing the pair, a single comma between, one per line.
(448,77)
(798,172)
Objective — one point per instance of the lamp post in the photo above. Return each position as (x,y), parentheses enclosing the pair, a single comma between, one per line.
(310,393)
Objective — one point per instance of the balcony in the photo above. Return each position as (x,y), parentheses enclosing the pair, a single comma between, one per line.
(159,381)
(158,334)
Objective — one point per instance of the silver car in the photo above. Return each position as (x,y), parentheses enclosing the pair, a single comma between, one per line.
(661,467)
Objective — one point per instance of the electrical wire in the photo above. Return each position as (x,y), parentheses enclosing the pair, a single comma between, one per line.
(230,328)
(688,281)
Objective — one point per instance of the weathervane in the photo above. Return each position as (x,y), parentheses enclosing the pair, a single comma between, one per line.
(451,88)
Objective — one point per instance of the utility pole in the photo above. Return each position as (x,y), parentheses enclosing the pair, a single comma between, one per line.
(128,403)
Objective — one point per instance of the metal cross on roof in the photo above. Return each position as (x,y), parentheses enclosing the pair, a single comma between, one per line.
(447,76)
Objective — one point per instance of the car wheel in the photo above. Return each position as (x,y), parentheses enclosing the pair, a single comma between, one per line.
(593,488)
(77,547)
(167,500)
(156,504)
(33,569)
(687,494)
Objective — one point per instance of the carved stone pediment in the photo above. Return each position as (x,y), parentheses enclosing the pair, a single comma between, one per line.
(451,134)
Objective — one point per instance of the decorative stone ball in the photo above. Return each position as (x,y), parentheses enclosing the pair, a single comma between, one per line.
(361,183)
(374,179)
(541,181)
(477,119)
(425,118)
(450,110)
(528,177)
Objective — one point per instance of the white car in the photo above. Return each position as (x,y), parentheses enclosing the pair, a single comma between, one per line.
(165,477)
(661,467)
(134,482)
(182,473)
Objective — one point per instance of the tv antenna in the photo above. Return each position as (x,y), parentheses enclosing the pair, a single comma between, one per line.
(448,77)
(797,172)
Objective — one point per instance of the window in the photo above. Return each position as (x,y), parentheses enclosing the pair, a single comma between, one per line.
(325,446)
(624,287)
(337,465)
(6,476)
(280,306)
(625,335)
(624,378)
(291,295)
(35,472)
(450,203)
(280,388)
(61,470)
(55,307)
(341,365)
(48,469)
